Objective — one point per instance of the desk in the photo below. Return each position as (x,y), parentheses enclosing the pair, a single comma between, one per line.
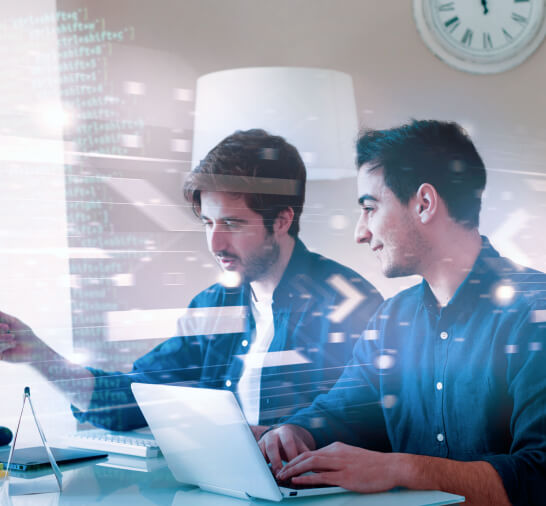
(121,481)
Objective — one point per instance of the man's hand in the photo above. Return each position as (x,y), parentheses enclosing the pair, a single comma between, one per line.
(285,443)
(366,471)
(18,343)
(258,430)
(344,466)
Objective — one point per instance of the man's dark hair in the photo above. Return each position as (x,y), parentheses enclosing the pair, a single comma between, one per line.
(265,169)
(428,151)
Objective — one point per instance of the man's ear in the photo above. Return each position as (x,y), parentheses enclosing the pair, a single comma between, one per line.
(283,221)
(426,203)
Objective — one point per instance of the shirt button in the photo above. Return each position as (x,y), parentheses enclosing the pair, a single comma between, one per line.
(444,335)
(440,437)
(439,385)
(228,383)
(245,343)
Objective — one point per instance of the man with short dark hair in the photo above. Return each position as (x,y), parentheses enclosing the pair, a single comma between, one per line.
(264,169)
(446,388)
(277,334)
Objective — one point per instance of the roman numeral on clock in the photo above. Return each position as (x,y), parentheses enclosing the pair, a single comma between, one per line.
(467,37)
(452,24)
(507,36)
(519,18)
(449,6)
(487,43)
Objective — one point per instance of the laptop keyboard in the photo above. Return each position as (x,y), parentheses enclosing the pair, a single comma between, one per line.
(112,442)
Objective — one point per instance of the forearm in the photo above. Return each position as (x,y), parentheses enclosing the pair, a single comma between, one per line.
(477,481)
(73,380)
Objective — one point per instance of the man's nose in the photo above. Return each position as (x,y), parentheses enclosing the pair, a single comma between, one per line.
(217,239)
(362,232)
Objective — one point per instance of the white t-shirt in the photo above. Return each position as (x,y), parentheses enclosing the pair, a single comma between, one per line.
(248,388)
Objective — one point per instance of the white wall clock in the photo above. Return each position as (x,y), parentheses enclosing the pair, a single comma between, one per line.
(481,36)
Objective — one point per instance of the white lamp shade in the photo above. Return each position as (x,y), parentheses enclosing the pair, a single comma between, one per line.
(313,109)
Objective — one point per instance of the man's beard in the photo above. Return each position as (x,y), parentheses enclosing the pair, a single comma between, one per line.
(258,264)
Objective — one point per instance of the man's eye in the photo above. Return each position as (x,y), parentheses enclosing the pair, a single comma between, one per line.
(206,223)
(232,224)
(367,209)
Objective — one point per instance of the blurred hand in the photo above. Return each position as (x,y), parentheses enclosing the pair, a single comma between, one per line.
(7,340)
(285,443)
(18,343)
(344,466)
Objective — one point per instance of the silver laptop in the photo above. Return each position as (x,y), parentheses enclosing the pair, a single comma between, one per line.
(207,442)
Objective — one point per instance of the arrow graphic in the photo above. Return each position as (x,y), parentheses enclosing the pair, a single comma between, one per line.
(503,236)
(353,298)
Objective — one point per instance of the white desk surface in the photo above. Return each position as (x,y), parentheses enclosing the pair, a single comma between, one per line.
(121,481)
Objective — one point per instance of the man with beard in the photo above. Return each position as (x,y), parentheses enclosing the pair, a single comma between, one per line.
(446,389)
(276,339)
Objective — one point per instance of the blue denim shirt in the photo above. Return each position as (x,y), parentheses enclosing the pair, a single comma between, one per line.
(464,382)
(320,309)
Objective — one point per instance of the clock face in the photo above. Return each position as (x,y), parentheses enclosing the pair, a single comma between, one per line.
(483,36)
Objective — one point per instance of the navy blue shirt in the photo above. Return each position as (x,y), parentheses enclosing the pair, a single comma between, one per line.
(466,381)
(319,309)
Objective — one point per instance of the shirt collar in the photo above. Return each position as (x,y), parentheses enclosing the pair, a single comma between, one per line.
(297,267)
(486,271)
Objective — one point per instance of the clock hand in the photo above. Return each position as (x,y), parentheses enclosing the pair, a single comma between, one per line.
(485,9)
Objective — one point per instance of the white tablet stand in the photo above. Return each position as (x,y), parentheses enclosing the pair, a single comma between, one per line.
(55,467)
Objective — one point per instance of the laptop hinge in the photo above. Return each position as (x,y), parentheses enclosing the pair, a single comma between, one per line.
(225,491)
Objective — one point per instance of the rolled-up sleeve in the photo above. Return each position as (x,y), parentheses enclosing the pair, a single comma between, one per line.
(113,406)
